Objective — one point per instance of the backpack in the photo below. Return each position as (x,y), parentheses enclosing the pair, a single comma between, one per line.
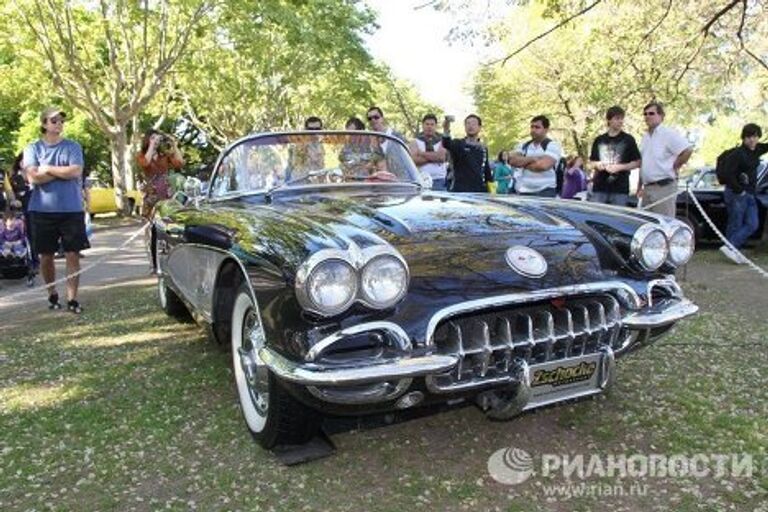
(559,165)
(726,165)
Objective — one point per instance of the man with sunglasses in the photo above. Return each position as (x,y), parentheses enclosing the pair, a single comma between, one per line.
(663,152)
(377,123)
(54,167)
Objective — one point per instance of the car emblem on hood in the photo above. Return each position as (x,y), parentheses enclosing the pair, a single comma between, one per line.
(526,261)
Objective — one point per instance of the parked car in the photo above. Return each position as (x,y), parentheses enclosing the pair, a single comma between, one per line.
(102,198)
(342,287)
(711,194)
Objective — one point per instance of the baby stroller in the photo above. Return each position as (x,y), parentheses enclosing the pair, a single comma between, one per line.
(15,248)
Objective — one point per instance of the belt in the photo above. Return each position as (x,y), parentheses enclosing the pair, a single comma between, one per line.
(661,183)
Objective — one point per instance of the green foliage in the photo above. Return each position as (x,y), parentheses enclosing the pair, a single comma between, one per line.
(277,63)
(643,52)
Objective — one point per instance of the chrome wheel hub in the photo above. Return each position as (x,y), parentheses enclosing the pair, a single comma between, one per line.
(256,373)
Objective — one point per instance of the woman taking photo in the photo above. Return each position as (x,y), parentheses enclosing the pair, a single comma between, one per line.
(159,154)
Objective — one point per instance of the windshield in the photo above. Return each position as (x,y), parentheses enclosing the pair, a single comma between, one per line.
(267,162)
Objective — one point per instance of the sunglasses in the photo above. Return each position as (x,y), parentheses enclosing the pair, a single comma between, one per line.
(646,114)
(56,120)
(374,117)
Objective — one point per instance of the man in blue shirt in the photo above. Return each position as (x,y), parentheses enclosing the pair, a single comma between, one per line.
(54,167)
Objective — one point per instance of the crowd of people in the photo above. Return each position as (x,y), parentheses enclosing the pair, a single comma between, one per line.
(538,166)
(43,199)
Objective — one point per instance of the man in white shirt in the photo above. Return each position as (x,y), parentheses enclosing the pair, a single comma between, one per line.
(536,160)
(428,152)
(663,151)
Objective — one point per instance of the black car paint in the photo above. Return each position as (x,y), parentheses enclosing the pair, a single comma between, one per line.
(454,245)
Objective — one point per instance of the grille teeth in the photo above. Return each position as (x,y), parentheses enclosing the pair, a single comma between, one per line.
(487,343)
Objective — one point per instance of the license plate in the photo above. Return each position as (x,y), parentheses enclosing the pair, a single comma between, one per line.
(564,379)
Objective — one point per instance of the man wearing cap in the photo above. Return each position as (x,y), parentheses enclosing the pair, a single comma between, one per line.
(54,167)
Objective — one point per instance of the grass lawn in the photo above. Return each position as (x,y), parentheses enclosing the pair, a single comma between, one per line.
(125,409)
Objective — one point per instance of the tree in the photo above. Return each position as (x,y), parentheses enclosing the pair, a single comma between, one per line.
(276,62)
(647,51)
(109,59)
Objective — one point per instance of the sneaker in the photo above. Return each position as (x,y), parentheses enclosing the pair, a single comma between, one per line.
(731,254)
(53,301)
(74,307)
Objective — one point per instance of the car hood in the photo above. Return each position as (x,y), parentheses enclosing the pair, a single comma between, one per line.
(455,245)
(465,236)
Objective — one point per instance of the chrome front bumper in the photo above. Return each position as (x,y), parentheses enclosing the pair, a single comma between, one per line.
(317,375)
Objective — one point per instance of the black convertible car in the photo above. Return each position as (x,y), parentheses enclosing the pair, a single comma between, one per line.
(342,287)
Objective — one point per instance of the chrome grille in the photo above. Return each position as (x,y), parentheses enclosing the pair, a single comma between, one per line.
(488,342)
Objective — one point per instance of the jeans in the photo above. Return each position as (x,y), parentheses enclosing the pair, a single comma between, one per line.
(742,216)
(609,198)
(547,192)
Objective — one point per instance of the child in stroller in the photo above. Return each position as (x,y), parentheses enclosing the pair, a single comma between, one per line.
(15,253)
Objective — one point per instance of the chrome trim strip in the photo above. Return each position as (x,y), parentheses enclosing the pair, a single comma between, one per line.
(529,296)
(667,282)
(395,330)
(309,374)
(666,312)
(255,136)
(376,392)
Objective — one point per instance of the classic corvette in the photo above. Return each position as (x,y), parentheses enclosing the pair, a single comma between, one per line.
(343,287)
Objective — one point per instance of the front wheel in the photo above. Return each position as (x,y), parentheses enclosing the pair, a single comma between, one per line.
(272,415)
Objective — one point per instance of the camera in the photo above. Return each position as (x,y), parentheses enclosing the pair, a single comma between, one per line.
(164,144)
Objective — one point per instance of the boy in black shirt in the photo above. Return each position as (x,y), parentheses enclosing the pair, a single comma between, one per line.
(614,154)
(471,169)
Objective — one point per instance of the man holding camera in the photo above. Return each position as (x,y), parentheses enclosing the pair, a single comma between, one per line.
(54,167)
(471,168)
(159,154)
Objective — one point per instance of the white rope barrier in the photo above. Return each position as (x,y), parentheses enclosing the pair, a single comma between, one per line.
(88,267)
(711,224)
(655,203)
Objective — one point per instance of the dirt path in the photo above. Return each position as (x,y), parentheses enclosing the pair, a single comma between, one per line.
(128,263)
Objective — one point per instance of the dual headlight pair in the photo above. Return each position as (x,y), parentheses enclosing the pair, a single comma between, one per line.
(331,280)
(652,245)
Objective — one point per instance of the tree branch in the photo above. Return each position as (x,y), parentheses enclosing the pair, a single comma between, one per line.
(719,15)
(546,33)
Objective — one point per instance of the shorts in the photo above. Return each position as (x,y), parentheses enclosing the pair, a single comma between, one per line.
(53,230)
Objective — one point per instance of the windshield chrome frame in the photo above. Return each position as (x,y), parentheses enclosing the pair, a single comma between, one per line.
(255,136)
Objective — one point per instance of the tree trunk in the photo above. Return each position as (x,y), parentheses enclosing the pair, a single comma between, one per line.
(119,148)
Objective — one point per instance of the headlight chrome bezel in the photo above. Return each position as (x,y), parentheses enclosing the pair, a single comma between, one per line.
(638,245)
(309,269)
(365,297)
(678,228)
(357,260)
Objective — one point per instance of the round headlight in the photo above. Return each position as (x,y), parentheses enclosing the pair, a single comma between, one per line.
(331,286)
(649,246)
(384,281)
(681,245)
